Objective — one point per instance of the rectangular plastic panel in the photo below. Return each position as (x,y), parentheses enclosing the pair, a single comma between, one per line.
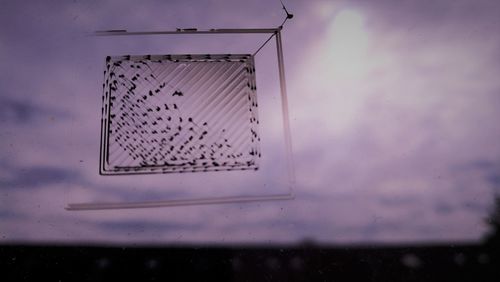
(179,113)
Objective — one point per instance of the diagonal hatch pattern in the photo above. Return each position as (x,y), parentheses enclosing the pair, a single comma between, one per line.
(179,113)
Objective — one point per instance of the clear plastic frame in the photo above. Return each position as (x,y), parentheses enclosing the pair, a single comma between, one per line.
(205,126)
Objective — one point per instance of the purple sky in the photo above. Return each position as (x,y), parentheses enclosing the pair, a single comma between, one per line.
(394,109)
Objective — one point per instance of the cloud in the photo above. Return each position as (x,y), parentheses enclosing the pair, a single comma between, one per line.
(403,146)
(149,226)
(23,112)
(11,214)
(36,177)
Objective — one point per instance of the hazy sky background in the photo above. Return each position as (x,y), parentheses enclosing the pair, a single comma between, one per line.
(394,109)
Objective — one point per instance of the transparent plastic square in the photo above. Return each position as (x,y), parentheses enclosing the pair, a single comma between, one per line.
(245,153)
(179,113)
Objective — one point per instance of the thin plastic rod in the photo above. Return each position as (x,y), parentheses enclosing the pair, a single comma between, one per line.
(188,31)
(171,203)
(286,118)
